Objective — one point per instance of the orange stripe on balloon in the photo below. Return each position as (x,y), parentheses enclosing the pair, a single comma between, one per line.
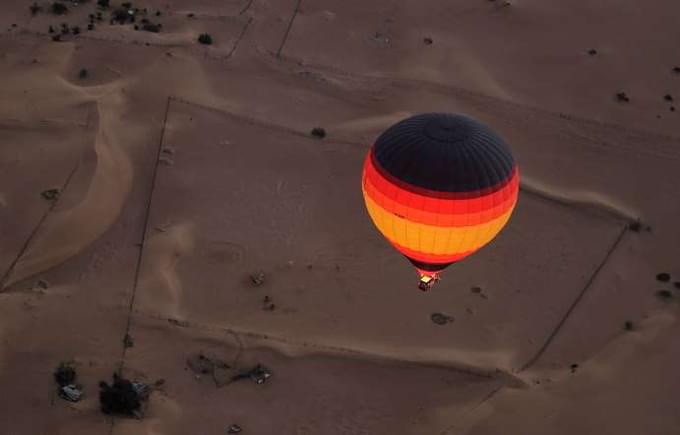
(429,238)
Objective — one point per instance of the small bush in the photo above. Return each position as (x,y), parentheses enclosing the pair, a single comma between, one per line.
(318,132)
(121,16)
(628,325)
(663,277)
(622,97)
(83,73)
(103,3)
(635,225)
(51,194)
(205,39)
(34,8)
(150,27)
(119,398)
(58,8)
(65,374)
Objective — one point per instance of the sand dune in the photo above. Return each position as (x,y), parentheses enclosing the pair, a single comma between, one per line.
(186,168)
(161,290)
(592,200)
(371,124)
(57,240)
(633,365)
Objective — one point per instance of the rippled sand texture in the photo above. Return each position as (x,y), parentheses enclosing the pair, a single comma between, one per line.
(182,169)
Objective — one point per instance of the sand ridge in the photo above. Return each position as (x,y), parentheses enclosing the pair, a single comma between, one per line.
(185,168)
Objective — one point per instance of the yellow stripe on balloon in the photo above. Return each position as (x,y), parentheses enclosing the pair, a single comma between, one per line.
(432,239)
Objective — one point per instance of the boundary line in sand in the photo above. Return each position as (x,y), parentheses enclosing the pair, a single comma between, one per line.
(430,84)
(459,91)
(261,123)
(487,373)
(147,214)
(37,227)
(501,375)
(246,7)
(238,40)
(290,26)
(573,305)
(135,283)
(18,124)
(555,331)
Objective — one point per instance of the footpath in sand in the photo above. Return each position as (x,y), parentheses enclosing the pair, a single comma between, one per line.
(181,170)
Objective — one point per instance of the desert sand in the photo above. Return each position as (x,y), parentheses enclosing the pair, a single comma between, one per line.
(182,169)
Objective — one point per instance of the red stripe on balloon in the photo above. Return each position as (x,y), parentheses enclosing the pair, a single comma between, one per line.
(442,212)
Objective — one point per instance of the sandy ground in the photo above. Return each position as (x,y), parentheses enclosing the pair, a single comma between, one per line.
(184,168)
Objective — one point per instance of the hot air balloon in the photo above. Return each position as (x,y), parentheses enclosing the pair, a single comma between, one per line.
(439,187)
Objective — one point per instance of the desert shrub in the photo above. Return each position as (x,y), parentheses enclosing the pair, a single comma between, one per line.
(205,38)
(663,276)
(150,27)
(59,8)
(318,132)
(65,374)
(119,398)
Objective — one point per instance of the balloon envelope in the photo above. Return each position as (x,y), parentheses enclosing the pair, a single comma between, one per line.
(439,187)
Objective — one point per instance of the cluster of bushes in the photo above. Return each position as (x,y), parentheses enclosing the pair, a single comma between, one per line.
(125,14)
